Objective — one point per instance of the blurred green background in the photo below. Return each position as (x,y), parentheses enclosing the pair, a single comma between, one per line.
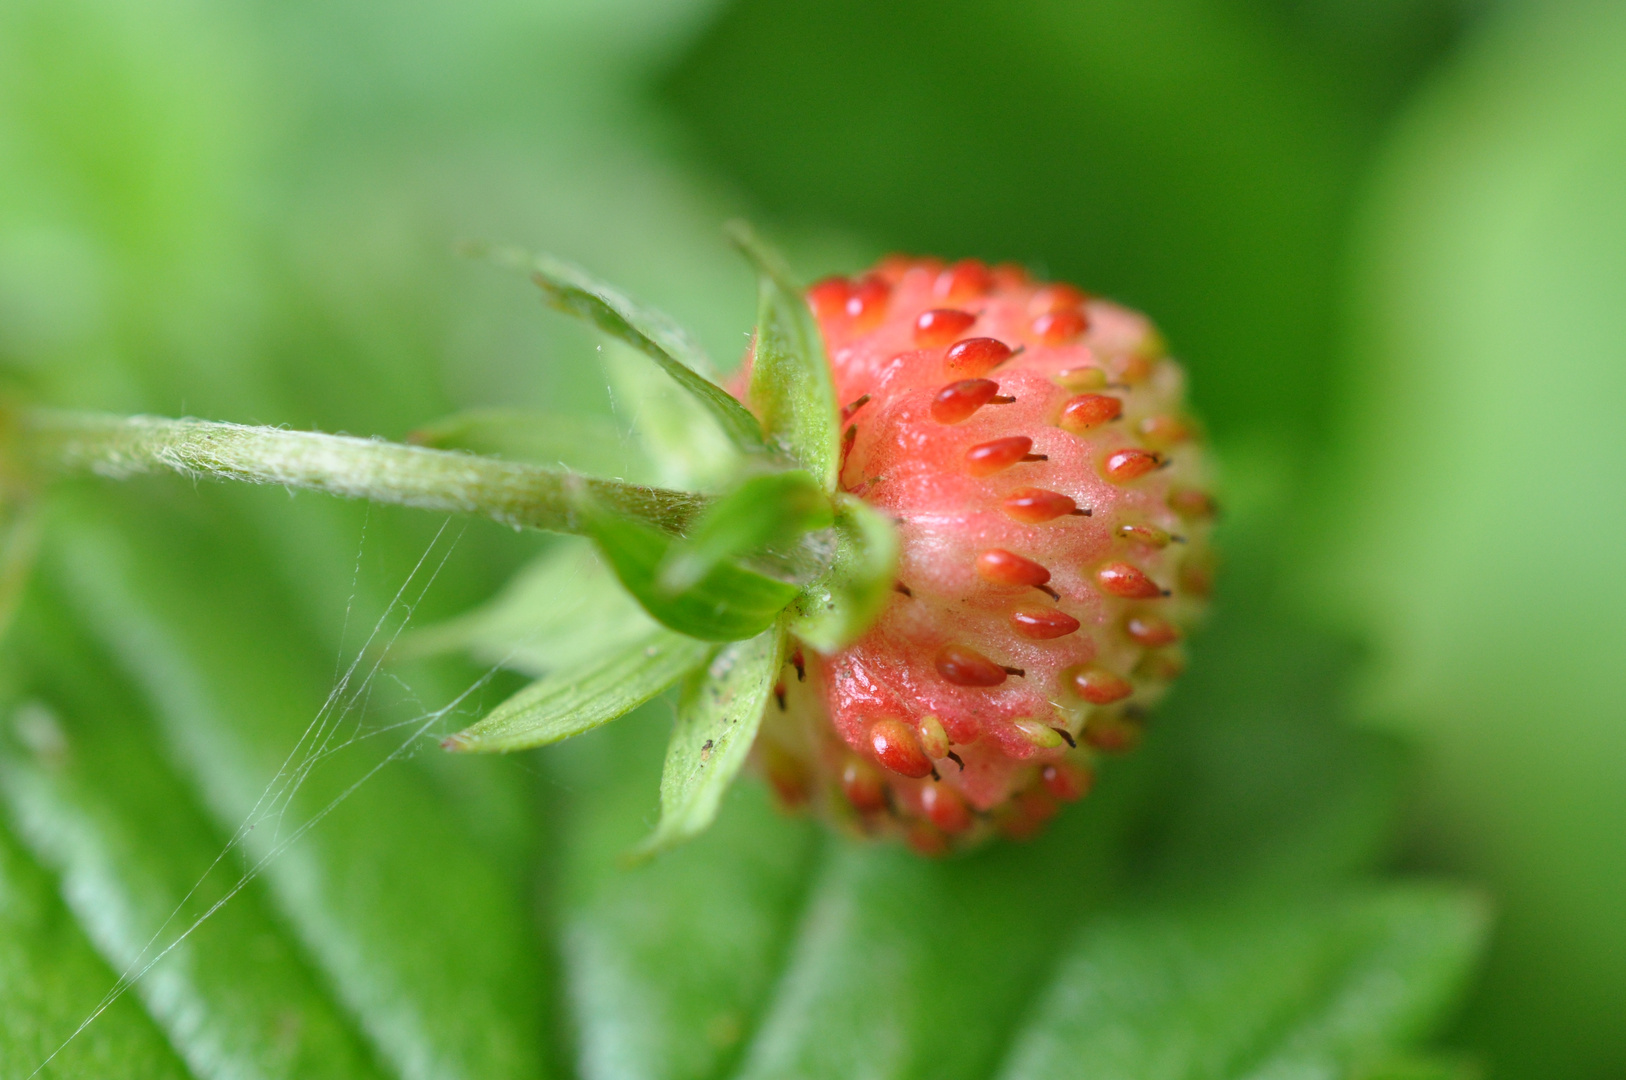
(1387,237)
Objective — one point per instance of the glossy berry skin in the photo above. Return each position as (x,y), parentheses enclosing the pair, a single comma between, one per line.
(1052,499)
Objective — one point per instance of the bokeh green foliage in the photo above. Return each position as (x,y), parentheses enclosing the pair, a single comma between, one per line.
(247,212)
(1195,158)
(1477,526)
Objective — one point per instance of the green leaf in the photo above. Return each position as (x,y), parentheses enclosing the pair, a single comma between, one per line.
(728,604)
(841,605)
(51,981)
(766,510)
(667,966)
(564,610)
(791,388)
(244,703)
(1260,994)
(717,722)
(903,968)
(573,291)
(575,700)
(586,444)
(887,962)
(85,786)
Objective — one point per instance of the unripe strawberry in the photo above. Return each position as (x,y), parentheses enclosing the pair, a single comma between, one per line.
(1050,495)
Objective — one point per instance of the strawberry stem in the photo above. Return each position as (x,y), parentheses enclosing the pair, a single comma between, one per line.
(512,493)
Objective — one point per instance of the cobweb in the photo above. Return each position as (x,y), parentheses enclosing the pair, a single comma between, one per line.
(337,725)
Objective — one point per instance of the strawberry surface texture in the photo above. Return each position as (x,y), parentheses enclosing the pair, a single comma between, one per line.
(1053,508)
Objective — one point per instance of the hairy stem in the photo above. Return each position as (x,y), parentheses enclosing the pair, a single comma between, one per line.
(54,442)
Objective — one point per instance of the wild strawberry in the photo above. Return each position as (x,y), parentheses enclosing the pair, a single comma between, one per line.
(1030,441)
(1049,553)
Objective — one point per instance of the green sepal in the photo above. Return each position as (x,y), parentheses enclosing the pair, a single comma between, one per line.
(766,510)
(838,607)
(574,701)
(729,603)
(677,435)
(575,292)
(563,610)
(791,389)
(718,716)
(584,444)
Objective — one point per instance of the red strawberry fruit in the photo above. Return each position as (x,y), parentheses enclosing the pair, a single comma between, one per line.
(1031,443)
